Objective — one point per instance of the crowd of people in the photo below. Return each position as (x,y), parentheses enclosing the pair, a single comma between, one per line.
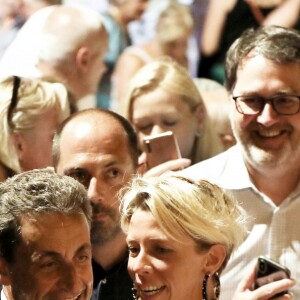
(83,216)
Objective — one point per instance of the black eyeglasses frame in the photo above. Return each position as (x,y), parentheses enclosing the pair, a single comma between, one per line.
(264,101)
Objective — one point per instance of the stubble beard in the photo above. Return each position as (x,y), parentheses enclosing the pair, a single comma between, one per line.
(259,157)
(102,233)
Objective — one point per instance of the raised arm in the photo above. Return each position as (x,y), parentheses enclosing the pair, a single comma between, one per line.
(216,15)
(285,15)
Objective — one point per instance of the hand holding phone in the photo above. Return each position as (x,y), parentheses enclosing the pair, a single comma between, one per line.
(161,148)
(245,289)
(268,271)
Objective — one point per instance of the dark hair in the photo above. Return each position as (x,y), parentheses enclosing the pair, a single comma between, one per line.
(131,135)
(276,43)
(34,193)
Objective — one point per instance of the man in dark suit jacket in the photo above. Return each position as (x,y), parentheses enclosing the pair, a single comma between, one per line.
(99,149)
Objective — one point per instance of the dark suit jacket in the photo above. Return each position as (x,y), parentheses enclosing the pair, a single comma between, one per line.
(115,286)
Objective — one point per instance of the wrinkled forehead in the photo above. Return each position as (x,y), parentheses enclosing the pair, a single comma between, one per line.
(97,125)
(101,136)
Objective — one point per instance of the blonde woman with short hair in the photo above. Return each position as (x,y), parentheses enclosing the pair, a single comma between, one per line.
(180,235)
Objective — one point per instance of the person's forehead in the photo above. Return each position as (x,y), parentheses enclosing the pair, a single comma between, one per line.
(270,74)
(101,131)
(159,102)
(51,219)
(45,229)
(94,141)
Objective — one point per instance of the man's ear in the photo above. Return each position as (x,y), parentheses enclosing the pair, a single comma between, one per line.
(215,258)
(83,58)
(4,273)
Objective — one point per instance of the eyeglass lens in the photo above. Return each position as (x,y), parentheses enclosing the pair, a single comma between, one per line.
(286,104)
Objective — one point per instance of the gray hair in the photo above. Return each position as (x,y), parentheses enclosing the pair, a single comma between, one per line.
(275,43)
(33,193)
(66,28)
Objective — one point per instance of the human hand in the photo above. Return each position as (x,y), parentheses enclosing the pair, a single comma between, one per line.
(245,291)
(171,165)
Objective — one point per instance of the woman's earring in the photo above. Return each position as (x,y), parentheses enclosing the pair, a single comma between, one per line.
(134,292)
(217,286)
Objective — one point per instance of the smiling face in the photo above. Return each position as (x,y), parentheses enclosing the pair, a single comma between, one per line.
(268,139)
(159,111)
(53,259)
(96,154)
(162,268)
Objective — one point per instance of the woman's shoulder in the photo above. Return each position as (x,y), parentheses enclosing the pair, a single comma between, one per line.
(140,52)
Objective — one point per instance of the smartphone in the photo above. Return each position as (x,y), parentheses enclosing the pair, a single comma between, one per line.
(160,148)
(268,271)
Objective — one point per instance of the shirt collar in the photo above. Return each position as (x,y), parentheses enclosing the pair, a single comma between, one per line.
(235,175)
(3,297)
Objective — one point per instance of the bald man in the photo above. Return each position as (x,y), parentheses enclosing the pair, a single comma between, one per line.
(99,149)
(65,43)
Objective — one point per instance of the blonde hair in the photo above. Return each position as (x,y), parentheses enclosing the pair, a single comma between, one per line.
(173,78)
(34,97)
(215,97)
(174,22)
(185,207)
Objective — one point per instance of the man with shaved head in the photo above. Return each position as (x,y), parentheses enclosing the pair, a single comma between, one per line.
(99,149)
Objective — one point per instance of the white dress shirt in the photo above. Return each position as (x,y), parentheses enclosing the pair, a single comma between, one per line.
(273,230)
(3,297)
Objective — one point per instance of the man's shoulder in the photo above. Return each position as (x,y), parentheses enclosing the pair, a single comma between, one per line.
(110,23)
(116,286)
(213,169)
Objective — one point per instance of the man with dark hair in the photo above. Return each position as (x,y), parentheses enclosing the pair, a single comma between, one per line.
(45,249)
(99,149)
(263,169)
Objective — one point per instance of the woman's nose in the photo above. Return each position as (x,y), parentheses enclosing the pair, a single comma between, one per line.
(140,264)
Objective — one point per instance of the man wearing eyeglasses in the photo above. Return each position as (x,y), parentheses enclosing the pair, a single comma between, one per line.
(263,169)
